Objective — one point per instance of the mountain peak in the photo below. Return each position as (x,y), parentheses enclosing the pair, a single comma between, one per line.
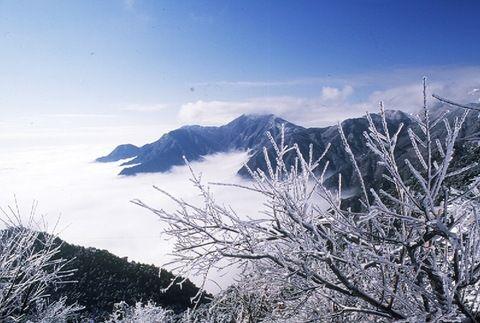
(393,115)
(194,141)
(257,119)
(246,132)
(254,117)
(244,118)
(121,152)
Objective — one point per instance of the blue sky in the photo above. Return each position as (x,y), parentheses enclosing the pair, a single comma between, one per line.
(175,62)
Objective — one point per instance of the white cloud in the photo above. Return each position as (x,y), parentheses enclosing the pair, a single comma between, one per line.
(472,92)
(219,112)
(390,78)
(335,94)
(399,89)
(79,115)
(93,202)
(332,105)
(145,107)
(269,83)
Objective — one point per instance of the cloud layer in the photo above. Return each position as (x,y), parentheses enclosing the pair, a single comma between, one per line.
(92,202)
(339,98)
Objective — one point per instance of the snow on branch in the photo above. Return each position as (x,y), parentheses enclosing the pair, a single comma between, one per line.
(412,252)
(29,266)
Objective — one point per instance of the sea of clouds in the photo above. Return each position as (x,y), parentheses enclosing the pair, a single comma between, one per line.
(91,203)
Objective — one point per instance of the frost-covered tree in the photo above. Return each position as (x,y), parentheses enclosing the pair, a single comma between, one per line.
(411,253)
(28,267)
(140,313)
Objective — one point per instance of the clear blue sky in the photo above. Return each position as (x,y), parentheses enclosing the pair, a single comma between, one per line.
(109,57)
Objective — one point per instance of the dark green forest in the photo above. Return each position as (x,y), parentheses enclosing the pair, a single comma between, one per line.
(101,279)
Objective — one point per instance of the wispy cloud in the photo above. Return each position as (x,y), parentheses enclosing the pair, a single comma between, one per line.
(320,110)
(323,110)
(79,115)
(129,4)
(219,112)
(133,7)
(343,97)
(145,107)
(270,83)
(391,77)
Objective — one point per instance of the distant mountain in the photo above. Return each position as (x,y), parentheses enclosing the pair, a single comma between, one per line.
(194,142)
(121,152)
(248,132)
(102,279)
(338,159)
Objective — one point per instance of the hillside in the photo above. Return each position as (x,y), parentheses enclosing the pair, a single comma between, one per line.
(102,279)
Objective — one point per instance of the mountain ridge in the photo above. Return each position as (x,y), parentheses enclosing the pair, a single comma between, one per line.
(248,132)
(194,142)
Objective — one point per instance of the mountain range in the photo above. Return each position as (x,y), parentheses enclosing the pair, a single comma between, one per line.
(248,132)
(194,142)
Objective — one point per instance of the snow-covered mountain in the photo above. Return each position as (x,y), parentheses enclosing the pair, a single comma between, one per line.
(194,142)
(248,132)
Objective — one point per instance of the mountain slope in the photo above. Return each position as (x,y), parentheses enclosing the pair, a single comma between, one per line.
(121,152)
(248,133)
(194,142)
(102,279)
(339,161)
